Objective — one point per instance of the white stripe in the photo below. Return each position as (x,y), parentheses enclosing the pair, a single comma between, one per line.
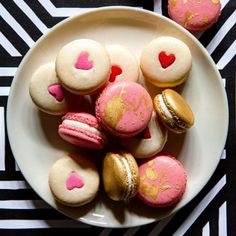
(4,91)
(31,224)
(2,139)
(200,207)
(8,46)
(228,55)
(16,26)
(62,11)
(223,155)
(7,71)
(157,6)
(131,231)
(24,204)
(206,230)
(223,3)
(31,15)
(222,220)
(160,226)
(13,185)
(105,232)
(221,33)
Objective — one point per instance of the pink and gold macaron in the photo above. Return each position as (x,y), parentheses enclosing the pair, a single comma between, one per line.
(46,91)
(166,61)
(124,108)
(124,65)
(174,111)
(74,180)
(162,181)
(83,66)
(194,15)
(149,142)
(120,176)
(83,130)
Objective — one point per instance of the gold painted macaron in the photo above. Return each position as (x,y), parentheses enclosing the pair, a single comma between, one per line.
(120,176)
(174,111)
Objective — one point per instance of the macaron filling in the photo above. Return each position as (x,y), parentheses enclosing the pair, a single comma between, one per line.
(172,119)
(83,126)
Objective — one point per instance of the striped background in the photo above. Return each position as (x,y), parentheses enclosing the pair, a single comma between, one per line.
(212,212)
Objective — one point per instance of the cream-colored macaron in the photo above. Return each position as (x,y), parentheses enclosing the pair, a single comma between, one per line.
(166,61)
(120,176)
(74,180)
(124,65)
(174,111)
(83,66)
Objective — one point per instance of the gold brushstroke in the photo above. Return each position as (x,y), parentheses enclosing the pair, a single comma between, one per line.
(151,173)
(188,17)
(205,19)
(215,1)
(185,1)
(173,3)
(116,105)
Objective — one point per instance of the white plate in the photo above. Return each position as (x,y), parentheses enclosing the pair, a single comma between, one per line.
(33,135)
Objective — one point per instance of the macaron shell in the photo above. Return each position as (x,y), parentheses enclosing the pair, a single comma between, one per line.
(178,105)
(147,147)
(44,77)
(194,15)
(86,171)
(124,108)
(162,181)
(115,176)
(83,80)
(125,60)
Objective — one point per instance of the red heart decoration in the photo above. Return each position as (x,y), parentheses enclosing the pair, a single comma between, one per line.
(83,62)
(115,70)
(166,60)
(57,91)
(74,181)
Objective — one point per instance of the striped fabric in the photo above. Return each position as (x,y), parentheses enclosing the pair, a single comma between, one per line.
(212,212)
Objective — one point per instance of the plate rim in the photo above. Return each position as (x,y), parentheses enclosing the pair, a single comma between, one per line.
(107,9)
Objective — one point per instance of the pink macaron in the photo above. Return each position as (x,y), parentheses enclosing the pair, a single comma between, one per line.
(124,108)
(162,181)
(194,15)
(82,129)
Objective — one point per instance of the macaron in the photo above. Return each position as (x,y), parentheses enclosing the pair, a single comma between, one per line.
(124,108)
(83,66)
(74,180)
(82,129)
(194,15)
(120,176)
(124,65)
(46,91)
(149,142)
(174,111)
(166,61)
(163,181)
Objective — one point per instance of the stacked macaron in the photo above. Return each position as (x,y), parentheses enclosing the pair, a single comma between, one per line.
(121,111)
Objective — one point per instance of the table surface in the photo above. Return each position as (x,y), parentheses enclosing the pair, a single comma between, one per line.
(212,212)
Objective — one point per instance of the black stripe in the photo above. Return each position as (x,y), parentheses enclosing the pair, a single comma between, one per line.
(15,39)
(164,8)
(43,15)
(208,35)
(224,45)
(23,20)
(5,81)
(97,3)
(4,175)
(18,194)
(148,5)
(31,214)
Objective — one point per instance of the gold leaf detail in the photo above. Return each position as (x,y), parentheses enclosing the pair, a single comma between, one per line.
(205,19)
(188,17)
(149,190)
(215,1)
(151,173)
(173,3)
(116,105)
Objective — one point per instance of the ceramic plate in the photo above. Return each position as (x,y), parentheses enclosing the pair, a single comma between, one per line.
(36,144)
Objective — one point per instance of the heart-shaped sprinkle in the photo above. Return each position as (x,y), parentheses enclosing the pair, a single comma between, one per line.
(57,92)
(83,62)
(115,70)
(166,60)
(74,181)
(145,134)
